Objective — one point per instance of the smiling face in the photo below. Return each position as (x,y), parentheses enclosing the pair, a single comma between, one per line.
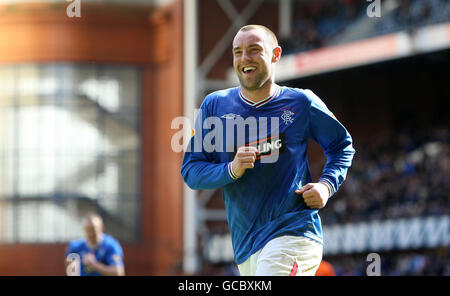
(254,55)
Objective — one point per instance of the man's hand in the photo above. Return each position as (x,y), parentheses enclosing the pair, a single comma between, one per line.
(244,159)
(315,195)
(91,263)
(89,260)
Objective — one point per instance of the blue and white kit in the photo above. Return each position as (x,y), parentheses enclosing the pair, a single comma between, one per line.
(109,252)
(262,204)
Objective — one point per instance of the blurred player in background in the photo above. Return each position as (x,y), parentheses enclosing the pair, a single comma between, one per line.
(272,206)
(99,252)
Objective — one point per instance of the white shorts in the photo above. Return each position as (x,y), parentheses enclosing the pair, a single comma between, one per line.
(284,255)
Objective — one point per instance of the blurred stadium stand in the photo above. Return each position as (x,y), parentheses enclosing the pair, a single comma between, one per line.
(400,174)
(325,23)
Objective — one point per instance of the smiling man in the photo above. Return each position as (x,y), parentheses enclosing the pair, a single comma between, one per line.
(271,201)
(253,56)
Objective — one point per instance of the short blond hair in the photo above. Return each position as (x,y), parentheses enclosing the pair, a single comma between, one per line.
(268,32)
(91,217)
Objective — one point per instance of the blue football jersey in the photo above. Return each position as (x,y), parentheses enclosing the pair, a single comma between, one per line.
(262,204)
(109,252)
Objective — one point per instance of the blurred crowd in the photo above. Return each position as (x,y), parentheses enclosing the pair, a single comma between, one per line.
(319,23)
(428,262)
(395,175)
(410,14)
(316,22)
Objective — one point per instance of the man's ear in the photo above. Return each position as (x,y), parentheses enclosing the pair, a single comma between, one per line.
(276,54)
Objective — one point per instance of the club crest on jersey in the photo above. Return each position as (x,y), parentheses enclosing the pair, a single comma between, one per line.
(287,115)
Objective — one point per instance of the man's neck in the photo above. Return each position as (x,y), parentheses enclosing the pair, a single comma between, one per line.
(261,93)
(95,244)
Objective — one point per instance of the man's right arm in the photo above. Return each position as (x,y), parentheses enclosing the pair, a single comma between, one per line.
(199,173)
(199,170)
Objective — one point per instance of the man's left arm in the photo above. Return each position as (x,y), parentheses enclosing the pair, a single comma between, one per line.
(337,144)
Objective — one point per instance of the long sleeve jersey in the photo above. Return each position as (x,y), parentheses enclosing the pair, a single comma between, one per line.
(262,204)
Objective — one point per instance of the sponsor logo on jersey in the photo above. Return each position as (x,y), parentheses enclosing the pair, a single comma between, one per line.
(269,146)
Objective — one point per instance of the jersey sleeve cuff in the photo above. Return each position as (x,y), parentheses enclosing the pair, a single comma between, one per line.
(230,171)
(329,186)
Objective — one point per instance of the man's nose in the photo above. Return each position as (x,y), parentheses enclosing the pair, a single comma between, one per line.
(245,55)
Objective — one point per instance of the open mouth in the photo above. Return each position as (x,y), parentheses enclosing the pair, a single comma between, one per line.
(248,69)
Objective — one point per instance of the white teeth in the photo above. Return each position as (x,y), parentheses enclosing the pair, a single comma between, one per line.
(249,69)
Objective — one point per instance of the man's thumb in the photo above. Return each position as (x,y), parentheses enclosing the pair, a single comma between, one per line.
(304,188)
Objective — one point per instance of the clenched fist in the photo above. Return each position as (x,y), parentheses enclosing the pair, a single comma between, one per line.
(315,195)
(244,159)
